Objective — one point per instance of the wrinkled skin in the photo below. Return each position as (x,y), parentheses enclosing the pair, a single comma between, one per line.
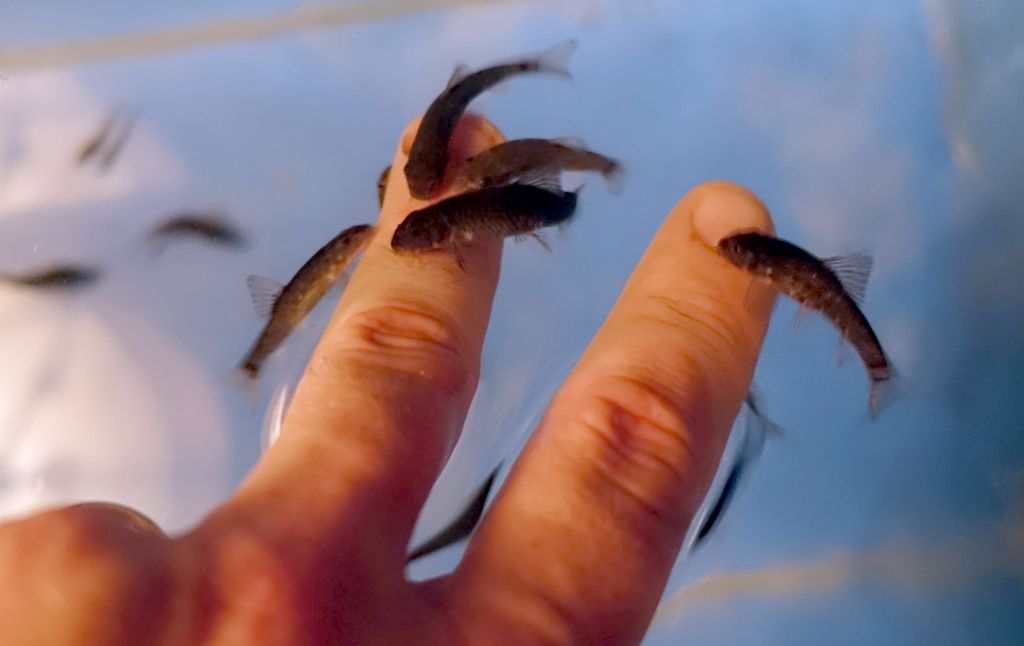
(577,545)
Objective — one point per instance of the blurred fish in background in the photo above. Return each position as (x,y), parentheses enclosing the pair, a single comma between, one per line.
(104,146)
(58,277)
(211,226)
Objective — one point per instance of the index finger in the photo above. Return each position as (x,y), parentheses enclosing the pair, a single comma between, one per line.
(383,397)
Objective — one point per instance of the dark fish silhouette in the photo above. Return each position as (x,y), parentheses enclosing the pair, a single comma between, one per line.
(833,286)
(428,155)
(757,429)
(462,526)
(495,213)
(108,140)
(285,307)
(61,276)
(528,158)
(208,226)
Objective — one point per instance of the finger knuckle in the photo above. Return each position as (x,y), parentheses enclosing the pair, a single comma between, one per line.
(81,565)
(411,339)
(640,447)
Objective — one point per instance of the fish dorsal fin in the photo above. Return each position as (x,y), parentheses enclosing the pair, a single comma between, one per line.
(460,72)
(545,179)
(264,292)
(853,272)
(570,142)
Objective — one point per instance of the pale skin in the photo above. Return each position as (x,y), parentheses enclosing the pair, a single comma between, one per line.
(310,549)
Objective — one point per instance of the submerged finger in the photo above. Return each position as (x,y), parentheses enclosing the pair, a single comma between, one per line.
(595,509)
(383,397)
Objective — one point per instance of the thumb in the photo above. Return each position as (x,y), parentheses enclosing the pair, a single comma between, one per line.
(604,492)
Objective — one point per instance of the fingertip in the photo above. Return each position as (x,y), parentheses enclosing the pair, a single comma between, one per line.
(721,208)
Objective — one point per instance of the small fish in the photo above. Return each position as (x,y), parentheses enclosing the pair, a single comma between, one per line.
(428,156)
(525,158)
(833,286)
(382,185)
(757,429)
(495,213)
(60,276)
(285,307)
(209,226)
(111,135)
(117,145)
(462,526)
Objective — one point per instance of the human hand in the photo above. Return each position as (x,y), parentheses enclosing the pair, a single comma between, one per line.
(577,545)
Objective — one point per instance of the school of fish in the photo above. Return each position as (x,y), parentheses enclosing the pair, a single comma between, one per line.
(513,189)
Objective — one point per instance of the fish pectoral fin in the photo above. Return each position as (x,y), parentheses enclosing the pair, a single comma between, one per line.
(798,318)
(853,272)
(546,179)
(458,74)
(264,293)
(748,300)
(541,239)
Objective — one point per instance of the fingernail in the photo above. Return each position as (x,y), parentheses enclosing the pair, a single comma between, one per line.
(726,209)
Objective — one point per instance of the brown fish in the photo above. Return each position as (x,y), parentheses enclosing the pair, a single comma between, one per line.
(463,524)
(495,213)
(382,185)
(428,156)
(209,226)
(60,276)
(285,307)
(526,158)
(109,138)
(833,286)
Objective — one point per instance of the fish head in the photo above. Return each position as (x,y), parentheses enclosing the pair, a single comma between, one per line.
(423,180)
(421,231)
(736,249)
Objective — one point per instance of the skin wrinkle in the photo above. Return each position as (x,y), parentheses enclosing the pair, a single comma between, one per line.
(623,425)
(411,340)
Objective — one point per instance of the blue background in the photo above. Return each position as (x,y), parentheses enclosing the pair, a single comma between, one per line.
(891,127)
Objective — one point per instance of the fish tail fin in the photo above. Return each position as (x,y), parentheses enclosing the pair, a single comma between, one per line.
(614,176)
(759,425)
(555,59)
(246,379)
(884,391)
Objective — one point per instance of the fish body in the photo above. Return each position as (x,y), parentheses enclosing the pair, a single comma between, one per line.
(428,155)
(463,524)
(494,213)
(511,160)
(757,429)
(831,286)
(209,226)
(55,277)
(288,307)
(109,139)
